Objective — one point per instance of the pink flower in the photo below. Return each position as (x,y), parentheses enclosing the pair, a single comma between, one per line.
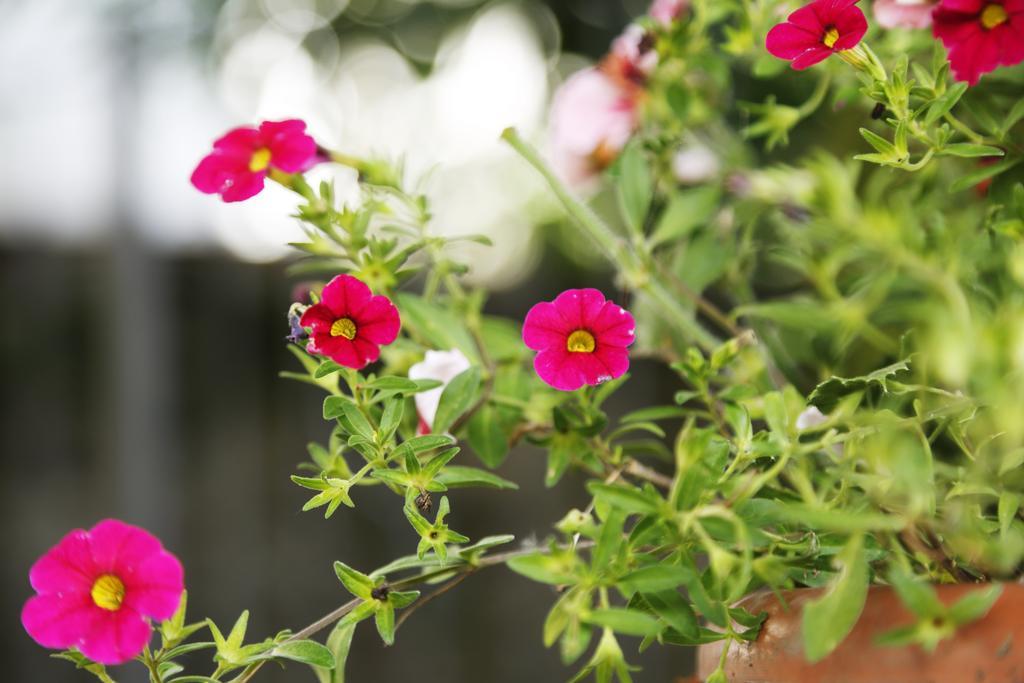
(581,337)
(97,588)
(592,118)
(980,35)
(667,11)
(904,13)
(241,160)
(443,366)
(350,324)
(817,30)
(633,57)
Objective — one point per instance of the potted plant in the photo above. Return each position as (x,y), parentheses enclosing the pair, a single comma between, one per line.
(828,263)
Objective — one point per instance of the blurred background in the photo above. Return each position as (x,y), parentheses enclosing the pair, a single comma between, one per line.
(143,323)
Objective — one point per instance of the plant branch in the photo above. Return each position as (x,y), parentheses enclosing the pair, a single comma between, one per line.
(464,569)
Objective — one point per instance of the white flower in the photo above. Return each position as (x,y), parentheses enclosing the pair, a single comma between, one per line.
(443,366)
(810,418)
(695,164)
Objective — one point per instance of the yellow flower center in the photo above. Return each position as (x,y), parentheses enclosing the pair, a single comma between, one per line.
(343,327)
(108,592)
(580,341)
(831,36)
(260,160)
(993,15)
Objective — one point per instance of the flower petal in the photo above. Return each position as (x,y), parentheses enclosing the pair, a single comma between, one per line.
(852,25)
(977,56)
(217,172)
(67,567)
(240,141)
(154,589)
(811,57)
(379,321)
(579,307)
(613,326)
(605,363)
(346,296)
(1011,40)
(559,368)
(57,621)
(339,349)
(291,149)
(244,185)
(367,350)
(319,317)
(545,327)
(787,41)
(114,637)
(120,548)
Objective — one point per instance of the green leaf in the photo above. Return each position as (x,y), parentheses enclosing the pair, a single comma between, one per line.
(1009,503)
(487,437)
(883,146)
(975,604)
(456,399)
(654,413)
(686,210)
(339,643)
(944,103)
(609,540)
(355,582)
(354,422)
(827,394)
(333,406)
(964,149)
(830,618)
(435,324)
(457,475)
(918,596)
(670,606)
(325,368)
(543,568)
(305,651)
(398,384)
(630,622)
(983,173)
(635,188)
(394,409)
(654,578)
(385,619)
(422,444)
(627,498)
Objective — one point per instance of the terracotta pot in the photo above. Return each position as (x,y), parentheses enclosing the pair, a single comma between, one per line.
(990,650)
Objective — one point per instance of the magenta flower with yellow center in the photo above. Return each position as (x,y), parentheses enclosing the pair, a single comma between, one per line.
(350,324)
(97,591)
(241,160)
(817,30)
(582,339)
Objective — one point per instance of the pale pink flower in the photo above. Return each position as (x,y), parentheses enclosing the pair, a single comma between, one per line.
(667,11)
(592,118)
(904,13)
(632,57)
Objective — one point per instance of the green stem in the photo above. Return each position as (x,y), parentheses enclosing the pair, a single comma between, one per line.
(612,245)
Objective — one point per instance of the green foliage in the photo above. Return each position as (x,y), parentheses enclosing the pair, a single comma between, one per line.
(841,330)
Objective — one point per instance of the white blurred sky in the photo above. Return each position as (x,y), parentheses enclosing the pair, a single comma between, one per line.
(66,116)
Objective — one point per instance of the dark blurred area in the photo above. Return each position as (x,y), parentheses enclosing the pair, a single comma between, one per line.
(141,343)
